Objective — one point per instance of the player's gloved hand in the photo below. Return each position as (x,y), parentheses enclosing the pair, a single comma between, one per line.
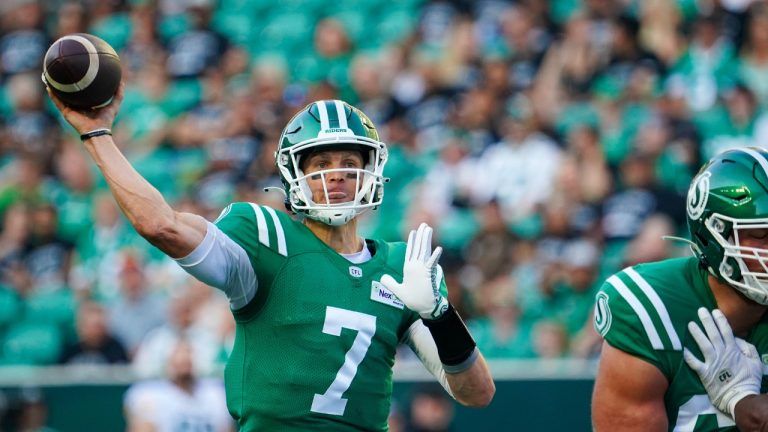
(731,369)
(420,290)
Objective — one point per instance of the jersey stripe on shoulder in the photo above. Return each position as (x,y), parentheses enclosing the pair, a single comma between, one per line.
(282,248)
(661,310)
(223,214)
(640,311)
(261,223)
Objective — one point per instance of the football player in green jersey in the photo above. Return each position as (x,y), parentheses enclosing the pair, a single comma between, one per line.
(642,312)
(319,309)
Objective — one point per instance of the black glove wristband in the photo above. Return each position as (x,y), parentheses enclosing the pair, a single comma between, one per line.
(95,133)
(455,346)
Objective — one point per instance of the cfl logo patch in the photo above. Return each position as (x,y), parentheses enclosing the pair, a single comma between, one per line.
(355,271)
(724,376)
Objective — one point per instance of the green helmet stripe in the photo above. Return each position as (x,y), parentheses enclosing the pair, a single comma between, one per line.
(341,114)
(322,110)
(757,156)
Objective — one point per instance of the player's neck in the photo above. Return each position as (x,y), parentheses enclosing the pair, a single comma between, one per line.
(742,313)
(343,239)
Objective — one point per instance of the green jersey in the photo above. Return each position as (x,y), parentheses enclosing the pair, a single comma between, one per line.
(644,311)
(314,348)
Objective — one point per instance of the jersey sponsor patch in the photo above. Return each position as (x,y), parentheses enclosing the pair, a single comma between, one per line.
(602,314)
(382,295)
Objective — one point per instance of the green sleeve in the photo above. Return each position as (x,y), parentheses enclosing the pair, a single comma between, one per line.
(619,323)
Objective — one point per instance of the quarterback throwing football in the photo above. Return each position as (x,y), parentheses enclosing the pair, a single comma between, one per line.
(319,310)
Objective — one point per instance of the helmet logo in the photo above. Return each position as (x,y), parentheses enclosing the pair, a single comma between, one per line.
(698,195)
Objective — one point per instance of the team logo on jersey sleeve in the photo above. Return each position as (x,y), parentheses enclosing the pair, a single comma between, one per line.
(698,195)
(383,295)
(602,314)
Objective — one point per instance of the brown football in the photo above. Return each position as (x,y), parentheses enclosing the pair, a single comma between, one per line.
(82,70)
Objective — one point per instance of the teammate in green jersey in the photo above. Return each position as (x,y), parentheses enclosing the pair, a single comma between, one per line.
(645,381)
(319,310)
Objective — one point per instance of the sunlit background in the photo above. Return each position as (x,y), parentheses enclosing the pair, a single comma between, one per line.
(550,143)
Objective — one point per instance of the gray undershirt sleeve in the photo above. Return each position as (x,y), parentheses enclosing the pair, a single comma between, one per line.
(221,263)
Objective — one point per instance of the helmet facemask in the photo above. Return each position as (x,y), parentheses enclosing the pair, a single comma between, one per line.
(368,180)
(729,234)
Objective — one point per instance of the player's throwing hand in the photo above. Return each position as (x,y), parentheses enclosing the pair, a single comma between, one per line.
(731,369)
(88,120)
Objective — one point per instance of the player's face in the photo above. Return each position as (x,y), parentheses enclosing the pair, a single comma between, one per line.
(340,184)
(756,238)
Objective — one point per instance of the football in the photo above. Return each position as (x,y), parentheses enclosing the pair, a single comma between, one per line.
(82,70)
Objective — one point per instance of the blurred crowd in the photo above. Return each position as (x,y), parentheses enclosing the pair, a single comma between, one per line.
(549,143)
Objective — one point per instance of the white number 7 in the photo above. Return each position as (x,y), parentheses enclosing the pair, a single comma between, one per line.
(331,401)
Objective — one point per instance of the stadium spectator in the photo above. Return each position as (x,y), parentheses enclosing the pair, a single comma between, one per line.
(24,40)
(430,411)
(579,282)
(12,239)
(71,18)
(101,249)
(211,313)
(30,411)
(137,310)
(24,184)
(707,65)
(155,348)
(182,400)
(638,198)
(30,129)
(193,51)
(47,255)
(499,330)
(519,171)
(754,53)
(73,196)
(94,344)
(584,175)
(550,340)
(490,251)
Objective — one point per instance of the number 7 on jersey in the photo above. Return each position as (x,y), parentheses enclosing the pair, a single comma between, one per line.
(331,401)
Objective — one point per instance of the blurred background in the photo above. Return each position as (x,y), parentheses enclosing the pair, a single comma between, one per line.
(550,144)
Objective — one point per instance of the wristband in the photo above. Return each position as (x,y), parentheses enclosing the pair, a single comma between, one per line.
(95,133)
(455,346)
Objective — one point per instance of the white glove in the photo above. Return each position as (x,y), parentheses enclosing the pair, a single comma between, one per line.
(731,369)
(420,290)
